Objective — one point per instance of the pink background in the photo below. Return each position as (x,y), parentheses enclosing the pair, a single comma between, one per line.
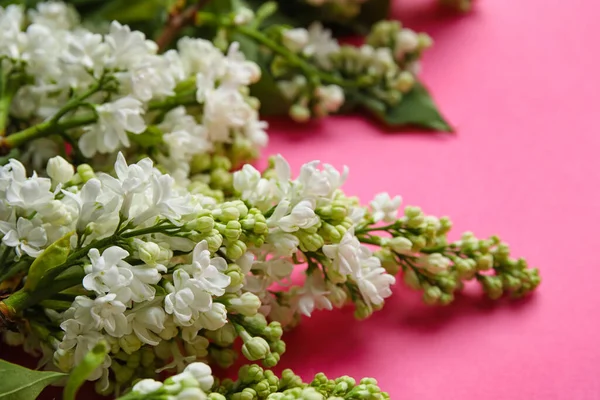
(518,80)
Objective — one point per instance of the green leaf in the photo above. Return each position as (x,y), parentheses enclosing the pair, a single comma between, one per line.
(131,10)
(20,383)
(53,257)
(92,360)
(416,109)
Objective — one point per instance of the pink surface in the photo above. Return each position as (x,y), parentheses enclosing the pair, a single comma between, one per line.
(519,81)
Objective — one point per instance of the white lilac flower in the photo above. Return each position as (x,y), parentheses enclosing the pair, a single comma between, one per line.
(344,255)
(127,47)
(331,96)
(186,298)
(295,39)
(103,313)
(60,170)
(147,323)
(385,208)
(30,194)
(165,201)
(79,338)
(95,206)
(320,45)
(26,236)
(214,318)
(54,14)
(238,71)
(107,272)
(208,273)
(292,219)
(115,120)
(313,295)
(224,109)
(372,280)
(275,268)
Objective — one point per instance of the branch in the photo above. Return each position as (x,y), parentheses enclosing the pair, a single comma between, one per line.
(177,21)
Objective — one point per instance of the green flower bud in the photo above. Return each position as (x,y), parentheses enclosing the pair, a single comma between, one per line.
(85,172)
(251,373)
(400,245)
(446,298)
(235,249)
(257,323)
(130,343)
(246,394)
(233,229)
(329,232)
(256,348)
(123,374)
(214,240)
(406,81)
(290,380)
(431,295)
(412,279)
(299,113)
(247,304)
(339,211)
(310,242)
(362,310)
(221,178)
(485,262)
(203,224)
(148,357)
(237,278)
(224,336)
(221,162)
(278,346)
(230,214)
(216,396)
(271,360)
(225,358)
(134,360)
(274,331)
(492,285)
(200,163)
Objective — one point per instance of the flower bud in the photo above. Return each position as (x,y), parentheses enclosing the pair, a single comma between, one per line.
(485,262)
(85,172)
(337,295)
(412,279)
(191,393)
(214,240)
(299,113)
(235,250)
(233,230)
(432,295)
(197,346)
(148,252)
(146,386)
(401,245)
(130,343)
(203,224)
(202,373)
(223,336)
(200,162)
(256,348)
(492,285)
(230,214)
(295,39)
(407,41)
(271,360)
(256,322)
(406,81)
(310,242)
(221,178)
(247,304)
(60,170)
(223,357)
(436,263)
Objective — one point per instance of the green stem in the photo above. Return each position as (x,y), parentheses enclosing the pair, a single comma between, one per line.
(46,128)
(22,299)
(15,269)
(5,102)
(307,68)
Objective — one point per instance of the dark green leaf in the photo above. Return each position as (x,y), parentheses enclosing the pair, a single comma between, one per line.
(53,257)
(20,383)
(84,369)
(416,109)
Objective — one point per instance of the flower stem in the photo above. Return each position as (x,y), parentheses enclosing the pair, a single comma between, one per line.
(177,21)
(44,129)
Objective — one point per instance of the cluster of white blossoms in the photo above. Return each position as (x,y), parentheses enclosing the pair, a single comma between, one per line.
(384,68)
(103,90)
(160,267)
